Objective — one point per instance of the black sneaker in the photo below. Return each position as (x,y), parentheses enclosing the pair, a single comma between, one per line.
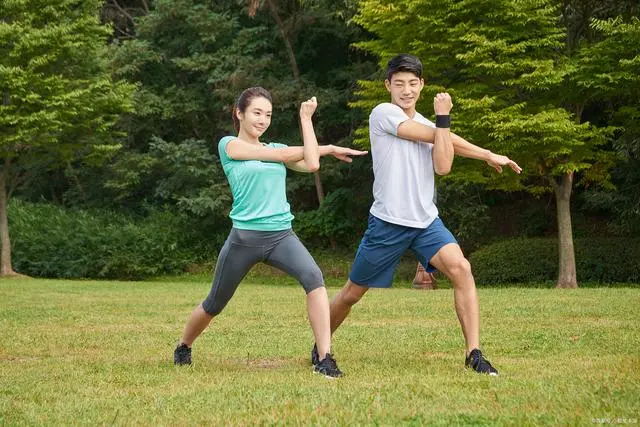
(315,358)
(478,363)
(327,367)
(182,355)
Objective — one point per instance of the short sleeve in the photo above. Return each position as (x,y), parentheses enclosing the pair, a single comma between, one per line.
(277,145)
(222,149)
(385,119)
(428,122)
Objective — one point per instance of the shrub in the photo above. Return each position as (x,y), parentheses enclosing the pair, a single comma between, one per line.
(464,212)
(334,219)
(602,260)
(49,241)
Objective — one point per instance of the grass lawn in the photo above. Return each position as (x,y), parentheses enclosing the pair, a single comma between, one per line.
(85,352)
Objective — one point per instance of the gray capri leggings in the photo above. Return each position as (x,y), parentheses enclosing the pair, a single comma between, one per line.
(245,248)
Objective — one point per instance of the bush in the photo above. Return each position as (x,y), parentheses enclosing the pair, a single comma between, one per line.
(464,212)
(602,260)
(49,241)
(334,219)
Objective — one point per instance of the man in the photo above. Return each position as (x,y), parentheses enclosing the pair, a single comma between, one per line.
(407,149)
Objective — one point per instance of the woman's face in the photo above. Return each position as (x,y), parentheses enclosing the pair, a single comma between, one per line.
(256,118)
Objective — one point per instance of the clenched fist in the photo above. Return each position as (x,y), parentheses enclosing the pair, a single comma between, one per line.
(442,104)
(308,107)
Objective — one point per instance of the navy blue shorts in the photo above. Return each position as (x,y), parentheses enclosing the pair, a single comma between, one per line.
(384,243)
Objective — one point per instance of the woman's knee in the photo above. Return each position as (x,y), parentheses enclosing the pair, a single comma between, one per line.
(311,279)
(213,307)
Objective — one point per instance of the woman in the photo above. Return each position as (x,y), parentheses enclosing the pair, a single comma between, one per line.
(262,219)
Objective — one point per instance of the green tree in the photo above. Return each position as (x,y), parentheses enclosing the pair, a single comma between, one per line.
(612,68)
(287,32)
(191,59)
(58,98)
(123,15)
(514,79)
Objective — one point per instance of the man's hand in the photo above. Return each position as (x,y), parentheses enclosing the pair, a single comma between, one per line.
(442,104)
(308,107)
(343,153)
(497,161)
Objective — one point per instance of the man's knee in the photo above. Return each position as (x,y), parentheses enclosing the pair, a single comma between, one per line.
(458,267)
(352,293)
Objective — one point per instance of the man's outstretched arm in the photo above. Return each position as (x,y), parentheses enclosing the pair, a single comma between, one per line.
(464,148)
(415,131)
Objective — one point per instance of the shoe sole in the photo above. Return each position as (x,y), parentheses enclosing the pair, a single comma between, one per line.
(491,374)
(325,375)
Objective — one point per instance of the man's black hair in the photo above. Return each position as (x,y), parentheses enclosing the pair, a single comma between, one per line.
(404,62)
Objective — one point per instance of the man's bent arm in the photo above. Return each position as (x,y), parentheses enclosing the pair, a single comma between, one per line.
(442,151)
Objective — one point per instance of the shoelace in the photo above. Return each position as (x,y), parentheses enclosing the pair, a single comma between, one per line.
(481,361)
(330,361)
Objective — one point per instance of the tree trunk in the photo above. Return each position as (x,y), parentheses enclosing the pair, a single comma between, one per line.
(6,269)
(567,259)
(285,39)
(296,76)
(319,188)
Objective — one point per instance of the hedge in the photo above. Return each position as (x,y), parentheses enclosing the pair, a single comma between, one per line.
(528,260)
(50,241)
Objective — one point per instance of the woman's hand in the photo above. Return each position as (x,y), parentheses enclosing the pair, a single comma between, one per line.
(308,107)
(344,154)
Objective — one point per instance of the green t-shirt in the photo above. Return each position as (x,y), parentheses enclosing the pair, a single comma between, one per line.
(258,189)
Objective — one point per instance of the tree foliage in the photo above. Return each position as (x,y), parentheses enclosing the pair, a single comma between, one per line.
(59,102)
(612,69)
(552,84)
(519,88)
(53,77)
(504,63)
(192,58)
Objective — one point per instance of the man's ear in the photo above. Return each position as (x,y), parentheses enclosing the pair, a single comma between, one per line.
(387,84)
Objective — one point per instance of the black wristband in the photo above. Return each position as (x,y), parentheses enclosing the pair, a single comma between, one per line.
(443,121)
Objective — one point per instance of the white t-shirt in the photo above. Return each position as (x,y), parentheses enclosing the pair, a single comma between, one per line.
(403,187)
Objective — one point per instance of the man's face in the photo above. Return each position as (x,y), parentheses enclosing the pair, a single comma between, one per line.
(405,88)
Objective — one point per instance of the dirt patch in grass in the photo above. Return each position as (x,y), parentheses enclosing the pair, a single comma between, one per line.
(260,363)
